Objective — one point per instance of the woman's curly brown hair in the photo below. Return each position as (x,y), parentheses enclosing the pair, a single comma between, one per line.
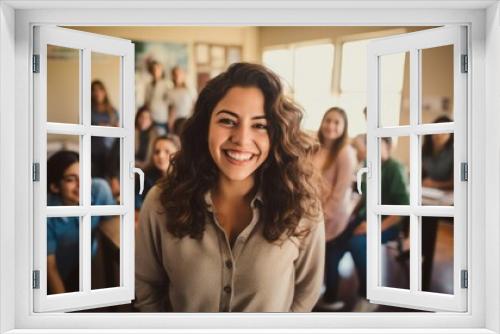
(285,178)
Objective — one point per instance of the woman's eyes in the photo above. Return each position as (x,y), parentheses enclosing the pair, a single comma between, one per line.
(230,122)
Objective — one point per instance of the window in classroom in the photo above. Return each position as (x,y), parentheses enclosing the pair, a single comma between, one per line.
(353,81)
(307,72)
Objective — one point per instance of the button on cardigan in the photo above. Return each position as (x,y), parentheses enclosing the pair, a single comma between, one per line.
(207,275)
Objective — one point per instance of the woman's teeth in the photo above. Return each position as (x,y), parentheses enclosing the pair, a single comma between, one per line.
(239,156)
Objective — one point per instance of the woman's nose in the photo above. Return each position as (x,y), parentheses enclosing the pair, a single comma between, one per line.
(241,135)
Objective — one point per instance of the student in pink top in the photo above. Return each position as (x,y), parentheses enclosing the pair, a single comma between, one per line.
(336,160)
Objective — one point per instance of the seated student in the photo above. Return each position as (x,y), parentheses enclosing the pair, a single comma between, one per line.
(162,149)
(63,233)
(145,135)
(394,192)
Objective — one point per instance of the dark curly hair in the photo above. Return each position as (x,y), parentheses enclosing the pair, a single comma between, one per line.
(286,178)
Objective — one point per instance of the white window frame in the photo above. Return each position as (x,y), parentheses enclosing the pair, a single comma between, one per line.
(85,44)
(414,43)
(16,20)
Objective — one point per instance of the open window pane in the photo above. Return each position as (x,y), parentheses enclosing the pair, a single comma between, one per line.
(63,80)
(63,255)
(106,178)
(392,73)
(106,252)
(395,169)
(63,170)
(105,90)
(395,252)
(437,169)
(437,84)
(437,254)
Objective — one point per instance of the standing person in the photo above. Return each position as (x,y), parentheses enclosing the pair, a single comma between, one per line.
(162,149)
(236,225)
(181,96)
(145,135)
(336,160)
(102,114)
(63,238)
(157,98)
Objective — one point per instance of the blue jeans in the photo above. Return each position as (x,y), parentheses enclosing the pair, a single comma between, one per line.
(357,247)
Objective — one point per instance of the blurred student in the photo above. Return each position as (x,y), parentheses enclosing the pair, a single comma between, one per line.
(394,192)
(145,135)
(102,114)
(336,161)
(157,97)
(236,225)
(63,233)
(162,150)
(359,144)
(437,159)
(179,125)
(437,173)
(182,98)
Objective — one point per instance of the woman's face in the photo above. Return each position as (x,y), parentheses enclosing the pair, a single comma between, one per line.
(161,154)
(439,140)
(69,186)
(144,121)
(332,126)
(98,94)
(238,139)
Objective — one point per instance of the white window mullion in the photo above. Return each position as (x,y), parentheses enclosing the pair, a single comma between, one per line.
(85,172)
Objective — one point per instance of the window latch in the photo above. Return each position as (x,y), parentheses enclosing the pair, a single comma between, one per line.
(359,176)
(133,171)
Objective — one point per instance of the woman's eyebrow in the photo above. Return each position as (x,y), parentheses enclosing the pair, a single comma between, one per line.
(238,116)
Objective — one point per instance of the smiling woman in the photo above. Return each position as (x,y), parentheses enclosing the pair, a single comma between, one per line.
(236,225)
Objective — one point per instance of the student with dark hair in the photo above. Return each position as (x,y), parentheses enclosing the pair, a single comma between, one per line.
(145,135)
(236,224)
(102,114)
(63,238)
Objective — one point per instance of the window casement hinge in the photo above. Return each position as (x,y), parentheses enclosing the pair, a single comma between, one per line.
(465,64)
(464,171)
(36,63)
(36,172)
(464,279)
(36,279)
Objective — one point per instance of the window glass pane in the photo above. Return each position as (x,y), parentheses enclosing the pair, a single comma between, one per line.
(437,254)
(395,252)
(106,252)
(281,62)
(353,68)
(63,254)
(105,90)
(105,171)
(313,68)
(394,172)
(392,73)
(63,170)
(437,83)
(437,169)
(63,84)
